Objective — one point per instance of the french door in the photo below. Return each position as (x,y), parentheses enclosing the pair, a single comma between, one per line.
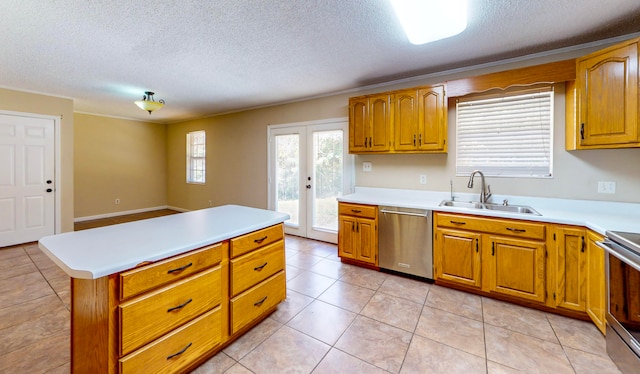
(309,168)
(27,188)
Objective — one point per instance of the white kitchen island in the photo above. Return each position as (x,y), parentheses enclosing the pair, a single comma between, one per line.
(165,294)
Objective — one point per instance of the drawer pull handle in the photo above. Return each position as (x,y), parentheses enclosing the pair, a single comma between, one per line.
(259,302)
(260,240)
(181,268)
(458,223)
(179,306)
(356,210)
(258,268)
(516,230)
(179,352)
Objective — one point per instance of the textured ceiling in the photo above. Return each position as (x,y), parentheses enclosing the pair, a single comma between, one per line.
(209,57)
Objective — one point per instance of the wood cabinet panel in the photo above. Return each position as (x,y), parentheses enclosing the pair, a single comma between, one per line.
(256,301)
(347,237)
(432,119)
(603,106)
(139,280)
(457,257)
(152,315)
(358,210)
(516,268)
(571,271)
(252,268)
(522,229)
(176,350)
(254,240)
(596,292)
(358,124)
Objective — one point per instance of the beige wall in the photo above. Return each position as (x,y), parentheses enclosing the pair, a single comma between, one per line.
(237,155)
(17,101)
(118,159)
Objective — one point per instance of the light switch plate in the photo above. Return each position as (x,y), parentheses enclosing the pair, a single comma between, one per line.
(366,166)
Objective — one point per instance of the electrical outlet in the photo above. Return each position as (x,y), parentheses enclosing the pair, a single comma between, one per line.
(210,203)
(117,201)
(423,179)
(606,187)
(366,166)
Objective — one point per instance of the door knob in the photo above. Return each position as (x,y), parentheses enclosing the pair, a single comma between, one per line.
(308,186)
(49,181)
(49,190)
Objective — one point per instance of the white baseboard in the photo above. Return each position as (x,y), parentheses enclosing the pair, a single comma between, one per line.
(122,213)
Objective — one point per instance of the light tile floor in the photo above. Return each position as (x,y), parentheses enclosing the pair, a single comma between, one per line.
(337,318)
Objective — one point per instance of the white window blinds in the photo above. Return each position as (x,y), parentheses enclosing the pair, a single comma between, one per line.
(508,136)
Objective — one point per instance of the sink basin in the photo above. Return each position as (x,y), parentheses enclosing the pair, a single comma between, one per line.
(520,209)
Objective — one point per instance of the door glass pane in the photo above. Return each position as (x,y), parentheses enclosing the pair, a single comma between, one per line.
(288,176)
(327,170)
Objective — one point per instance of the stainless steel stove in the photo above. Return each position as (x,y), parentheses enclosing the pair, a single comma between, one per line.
(623,310)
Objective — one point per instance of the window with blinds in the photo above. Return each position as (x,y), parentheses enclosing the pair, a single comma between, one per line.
(507,136)
(196,162)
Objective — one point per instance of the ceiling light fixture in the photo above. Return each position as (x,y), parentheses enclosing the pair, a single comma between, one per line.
(147,103)
(428,21)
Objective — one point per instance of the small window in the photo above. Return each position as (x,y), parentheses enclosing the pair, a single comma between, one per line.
(506,136)
(196,161)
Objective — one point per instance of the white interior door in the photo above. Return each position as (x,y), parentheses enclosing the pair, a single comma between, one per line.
(27,192)
(309,168)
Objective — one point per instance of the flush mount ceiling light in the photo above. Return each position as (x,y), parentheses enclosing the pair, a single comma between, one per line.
(428,21)
(147,103)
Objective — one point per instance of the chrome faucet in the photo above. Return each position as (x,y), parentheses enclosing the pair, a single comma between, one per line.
(484,195)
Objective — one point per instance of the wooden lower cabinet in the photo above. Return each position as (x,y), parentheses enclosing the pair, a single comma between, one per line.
(596,301)
(358,233)
(171,315)
(556,268)
(516,268)
(457,257)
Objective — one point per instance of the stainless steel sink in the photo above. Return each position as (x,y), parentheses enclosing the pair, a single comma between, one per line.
(520,209)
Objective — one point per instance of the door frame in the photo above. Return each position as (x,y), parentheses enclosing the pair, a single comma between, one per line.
(348,162)
(57,164)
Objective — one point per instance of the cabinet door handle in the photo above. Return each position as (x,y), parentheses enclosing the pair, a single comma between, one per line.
(458,222)
(493,249)
(419,140)
(258,268)
(516,230)
(582,131)
(179,352)
(356,210)
(476,245)
(179,306)
(259,302)
(583,245)
(357,227)
(181,268)
(260,240)
(353,227)
(414,140)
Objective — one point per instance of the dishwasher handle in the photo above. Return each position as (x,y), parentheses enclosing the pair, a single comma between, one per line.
(404,213)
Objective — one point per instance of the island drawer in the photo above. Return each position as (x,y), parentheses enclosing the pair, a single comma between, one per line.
(517,228)
(252,268)
(254,240)
(139,280)
(249,305)
(358,210)
(152,315)
(176,350)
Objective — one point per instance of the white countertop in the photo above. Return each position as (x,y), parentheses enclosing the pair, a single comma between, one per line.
(598,216)
(95,253)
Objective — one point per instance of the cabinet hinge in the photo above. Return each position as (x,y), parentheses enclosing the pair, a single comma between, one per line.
(546,253)
(554,236)
(554,296)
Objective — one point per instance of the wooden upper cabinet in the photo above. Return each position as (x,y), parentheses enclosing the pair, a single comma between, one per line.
(432,119)
(405,120)
(420,120)
(605,102)
(369,123)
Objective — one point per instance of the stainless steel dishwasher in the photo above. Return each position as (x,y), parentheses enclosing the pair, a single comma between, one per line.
(405,241)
